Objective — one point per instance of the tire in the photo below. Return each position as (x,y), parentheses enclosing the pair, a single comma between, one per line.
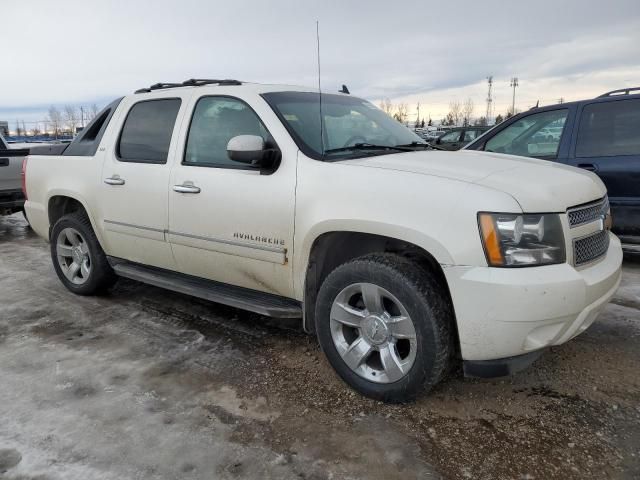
(396,373)
(73,241)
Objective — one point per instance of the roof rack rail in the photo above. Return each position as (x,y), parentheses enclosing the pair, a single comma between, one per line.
(158,86)
(198,82)
(621,91)
(192,82)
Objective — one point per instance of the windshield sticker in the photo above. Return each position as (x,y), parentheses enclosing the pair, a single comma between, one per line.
(290,117)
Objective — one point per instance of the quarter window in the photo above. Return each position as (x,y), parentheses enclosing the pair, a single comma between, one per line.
(536,135)
(609,129)
(216,120)
(450,137)
(470,135)
(146,134)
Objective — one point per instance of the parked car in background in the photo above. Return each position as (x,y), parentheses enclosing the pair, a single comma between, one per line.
(11,196)
(431,135)
(458,137)
(601,135)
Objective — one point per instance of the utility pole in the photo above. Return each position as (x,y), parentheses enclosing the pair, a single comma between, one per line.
(82,116)
(418,119)
(561,100)
(489,98)
(514,84)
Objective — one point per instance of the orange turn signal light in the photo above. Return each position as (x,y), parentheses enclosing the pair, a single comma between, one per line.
(491,240)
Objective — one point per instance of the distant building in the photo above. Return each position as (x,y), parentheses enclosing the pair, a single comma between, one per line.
(4,128)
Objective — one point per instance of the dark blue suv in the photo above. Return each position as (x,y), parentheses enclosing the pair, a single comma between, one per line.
(601,135)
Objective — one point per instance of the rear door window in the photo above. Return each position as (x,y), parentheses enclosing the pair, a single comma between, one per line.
(146,134)
(536,135)
(609,129)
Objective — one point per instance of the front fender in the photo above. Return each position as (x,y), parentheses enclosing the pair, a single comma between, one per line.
(397,232)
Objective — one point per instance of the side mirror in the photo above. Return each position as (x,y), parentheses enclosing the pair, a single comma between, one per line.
(246,149)
(438,141)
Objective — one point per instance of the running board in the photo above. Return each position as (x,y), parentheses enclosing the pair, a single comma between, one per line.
(238,297)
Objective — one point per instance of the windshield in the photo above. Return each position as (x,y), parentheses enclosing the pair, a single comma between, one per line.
(346,122)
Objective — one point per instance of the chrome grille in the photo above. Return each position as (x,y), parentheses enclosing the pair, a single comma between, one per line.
(590,248)
(588,213)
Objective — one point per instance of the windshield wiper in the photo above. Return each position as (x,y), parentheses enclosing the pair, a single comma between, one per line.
(369,146)
(420,144)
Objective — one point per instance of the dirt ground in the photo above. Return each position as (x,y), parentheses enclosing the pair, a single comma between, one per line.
(148,384)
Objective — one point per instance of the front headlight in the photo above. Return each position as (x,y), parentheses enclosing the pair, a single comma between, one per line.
(512,240)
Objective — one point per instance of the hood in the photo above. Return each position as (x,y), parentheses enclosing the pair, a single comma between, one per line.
(537,185)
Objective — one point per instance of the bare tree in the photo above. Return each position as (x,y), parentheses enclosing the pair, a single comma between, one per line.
(455,113)
(511,113)
(387,107)
(35,131)
(55,119)
(71,118)
(402,112)
(467,112)
(93,112)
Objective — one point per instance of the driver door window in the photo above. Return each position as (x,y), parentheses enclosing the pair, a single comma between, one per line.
(537,135)
(216,120)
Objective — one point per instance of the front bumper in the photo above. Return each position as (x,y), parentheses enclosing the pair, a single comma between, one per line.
(507,312)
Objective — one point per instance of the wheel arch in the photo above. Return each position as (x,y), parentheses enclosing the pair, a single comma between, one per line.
(60,204)
(331,249)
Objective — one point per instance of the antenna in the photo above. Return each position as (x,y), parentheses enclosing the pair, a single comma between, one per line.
(320,90)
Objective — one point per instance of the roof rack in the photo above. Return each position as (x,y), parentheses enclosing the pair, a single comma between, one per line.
(621,91)
(192,82)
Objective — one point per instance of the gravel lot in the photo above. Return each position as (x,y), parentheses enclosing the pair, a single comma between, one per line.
(147,384)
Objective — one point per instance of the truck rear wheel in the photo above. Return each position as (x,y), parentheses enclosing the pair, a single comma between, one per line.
(385,327)
(77,256)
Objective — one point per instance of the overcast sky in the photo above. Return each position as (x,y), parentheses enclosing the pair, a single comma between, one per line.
(90,51)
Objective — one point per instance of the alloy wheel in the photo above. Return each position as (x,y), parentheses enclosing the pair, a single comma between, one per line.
(373,333)
(72,251)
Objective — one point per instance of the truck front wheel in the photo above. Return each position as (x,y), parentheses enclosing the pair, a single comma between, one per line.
(77,256)
(385,327)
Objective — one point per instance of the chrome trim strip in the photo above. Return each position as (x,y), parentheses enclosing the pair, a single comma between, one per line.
(233,243)
(122,224)
(230,242)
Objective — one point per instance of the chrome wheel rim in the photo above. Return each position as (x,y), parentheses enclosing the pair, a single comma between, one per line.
(373,333)
(72,251)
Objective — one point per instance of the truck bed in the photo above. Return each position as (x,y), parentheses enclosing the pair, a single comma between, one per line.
(11,197)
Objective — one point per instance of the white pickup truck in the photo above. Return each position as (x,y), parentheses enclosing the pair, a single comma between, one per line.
(402,260)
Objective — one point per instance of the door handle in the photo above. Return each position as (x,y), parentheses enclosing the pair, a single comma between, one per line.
(186,188)
(115,180)
(588,166)
(4,162)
